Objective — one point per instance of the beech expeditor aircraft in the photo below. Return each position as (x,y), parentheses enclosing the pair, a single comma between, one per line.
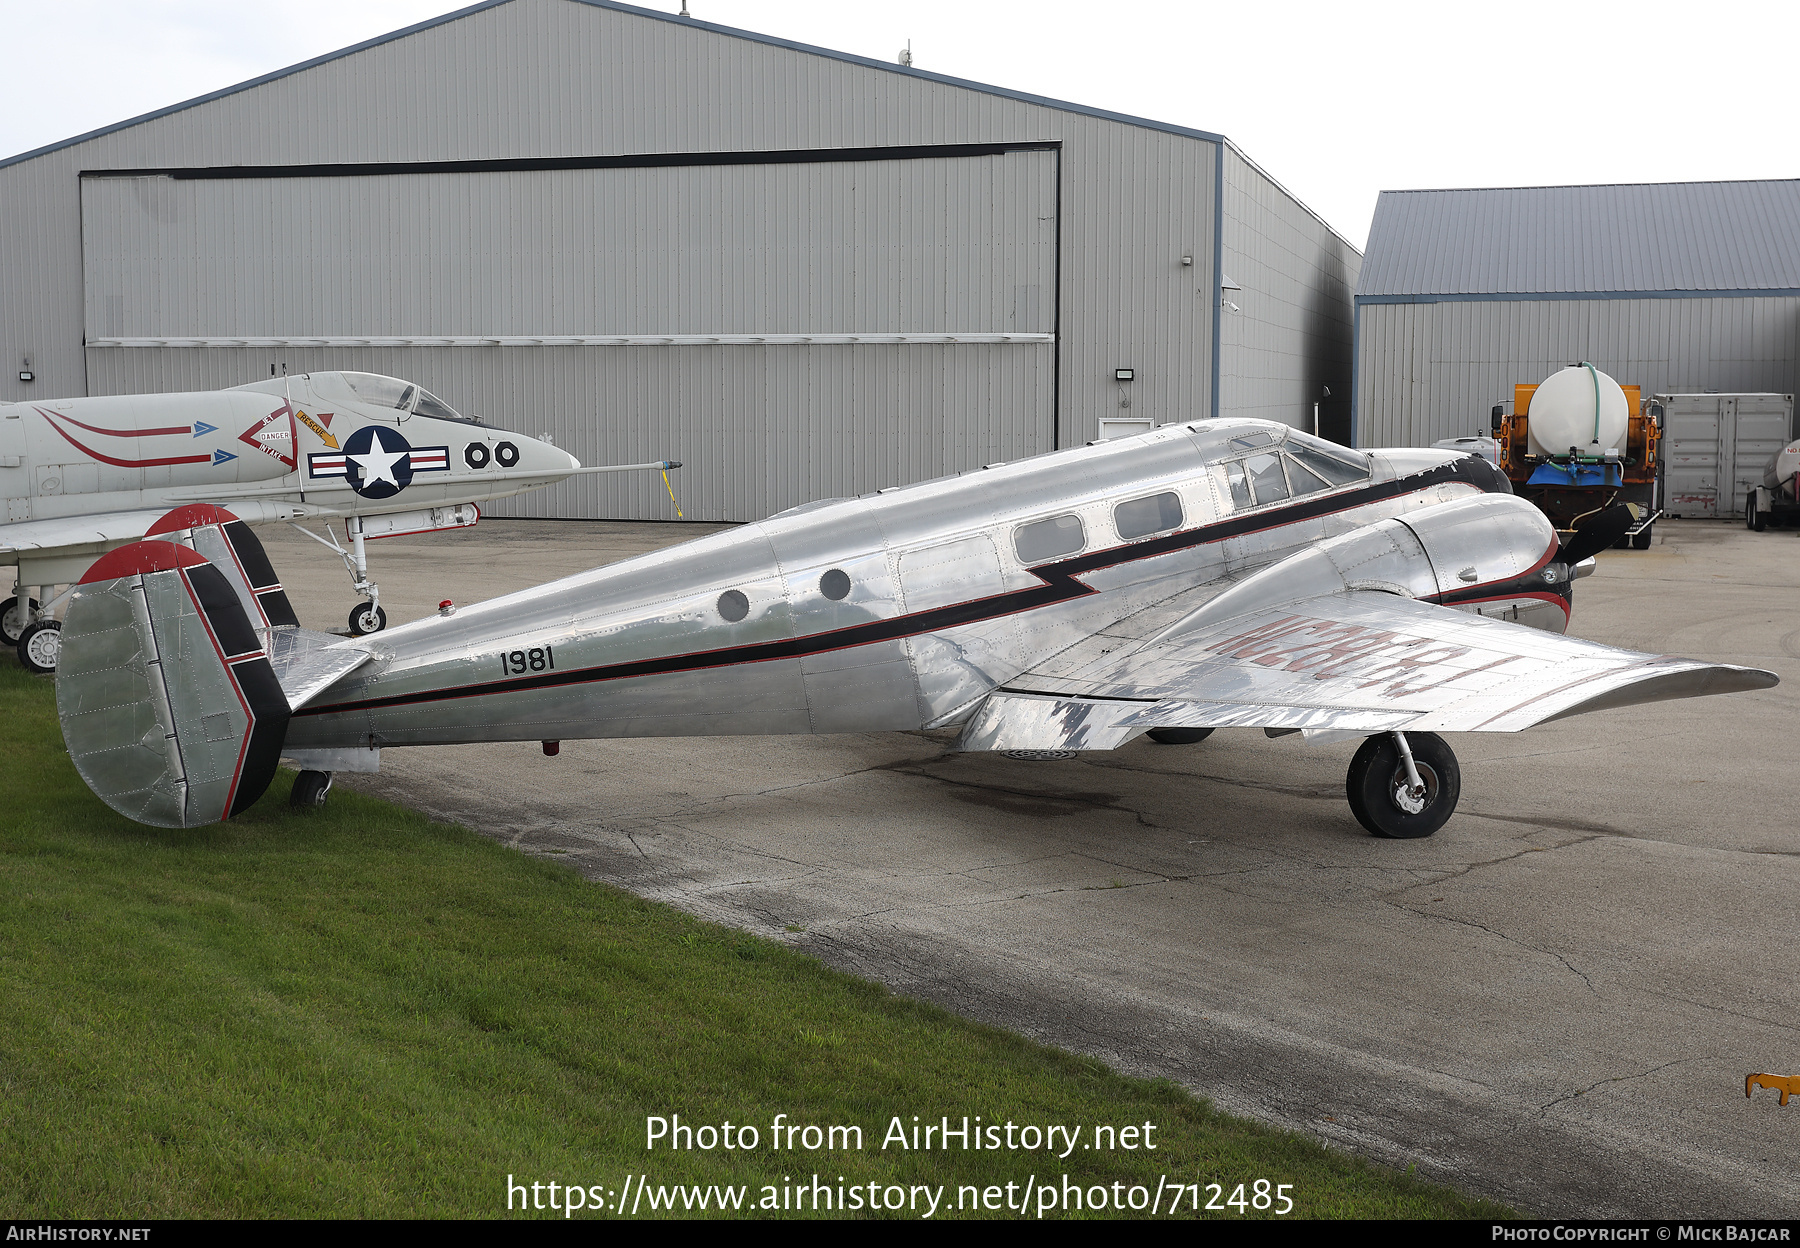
(79,477)
(1228,573)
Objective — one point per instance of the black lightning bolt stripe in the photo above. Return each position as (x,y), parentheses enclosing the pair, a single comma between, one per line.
(1059,585)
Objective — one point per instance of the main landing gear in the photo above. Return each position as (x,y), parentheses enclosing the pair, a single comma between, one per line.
(1403,785)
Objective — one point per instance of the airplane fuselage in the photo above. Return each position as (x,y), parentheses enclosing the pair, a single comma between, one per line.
(905,608)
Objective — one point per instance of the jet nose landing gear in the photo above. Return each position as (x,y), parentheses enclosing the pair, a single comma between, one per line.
(1404,786)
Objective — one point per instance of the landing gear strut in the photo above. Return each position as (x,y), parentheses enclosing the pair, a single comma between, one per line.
(368,617)
(1403,785)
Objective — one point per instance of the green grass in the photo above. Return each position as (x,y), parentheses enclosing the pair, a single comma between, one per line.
(364,1013)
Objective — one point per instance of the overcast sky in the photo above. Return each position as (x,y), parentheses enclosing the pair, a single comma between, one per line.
(1338,101)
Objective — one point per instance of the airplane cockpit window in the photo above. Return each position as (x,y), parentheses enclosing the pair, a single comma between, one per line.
(1250,441)
(1046,539)
(1266,478)
(430,405)
(1339,465)
(1304,480)
(1240,485)
(1143,516)
(379,391)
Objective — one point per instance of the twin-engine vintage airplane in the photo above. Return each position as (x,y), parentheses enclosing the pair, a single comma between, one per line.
(79,477)
(1230,573)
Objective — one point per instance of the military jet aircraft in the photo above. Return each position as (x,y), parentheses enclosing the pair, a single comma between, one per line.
(1228,573)
(79,477)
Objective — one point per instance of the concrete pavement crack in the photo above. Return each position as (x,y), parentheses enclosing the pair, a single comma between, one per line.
(1549,1105)
(1551,953)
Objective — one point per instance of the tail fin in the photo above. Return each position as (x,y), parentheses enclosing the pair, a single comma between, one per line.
(169,705)
(229,545)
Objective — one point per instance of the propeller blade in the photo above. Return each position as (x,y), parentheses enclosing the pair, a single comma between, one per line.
(1595,533)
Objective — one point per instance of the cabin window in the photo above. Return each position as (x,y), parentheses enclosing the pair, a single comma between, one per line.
(1239,483)
(1046,539)
(733,606)
(1142,516)
(1266,478)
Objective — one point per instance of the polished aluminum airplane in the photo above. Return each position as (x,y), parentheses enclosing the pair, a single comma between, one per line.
(1228,573)
(79,477)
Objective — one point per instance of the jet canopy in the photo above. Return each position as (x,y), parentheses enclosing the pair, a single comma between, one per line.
(375,390)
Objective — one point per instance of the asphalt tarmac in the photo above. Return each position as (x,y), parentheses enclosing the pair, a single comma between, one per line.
(1554,1001)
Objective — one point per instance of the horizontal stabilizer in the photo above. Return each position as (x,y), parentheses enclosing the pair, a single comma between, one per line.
(169,705)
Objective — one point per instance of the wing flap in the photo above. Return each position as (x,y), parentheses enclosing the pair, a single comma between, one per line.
(1356,662)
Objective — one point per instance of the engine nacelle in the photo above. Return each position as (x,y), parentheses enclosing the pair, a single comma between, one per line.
(1491,542)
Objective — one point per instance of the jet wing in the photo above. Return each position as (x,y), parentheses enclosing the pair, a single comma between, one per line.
(1336,666)
(36,536)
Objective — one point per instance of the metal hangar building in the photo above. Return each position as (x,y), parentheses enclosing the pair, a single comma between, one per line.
(1680,287)
(801,272)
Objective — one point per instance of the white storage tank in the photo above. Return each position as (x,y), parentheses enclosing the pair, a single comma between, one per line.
(1579,407)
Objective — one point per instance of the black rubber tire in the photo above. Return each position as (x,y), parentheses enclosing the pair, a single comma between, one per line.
(40,645)
(1754,519)
(1179,736)
(1641,539)
(8,634)
(310,788)
(1378,770)
(366,619)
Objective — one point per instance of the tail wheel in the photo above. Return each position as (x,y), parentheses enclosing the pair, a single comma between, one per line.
(367,618)
(310,788)
(40,646)
(12,619)
(1179,736)
(1380,791)
(1754,519)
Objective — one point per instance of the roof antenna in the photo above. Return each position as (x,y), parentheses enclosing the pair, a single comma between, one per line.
(905,57)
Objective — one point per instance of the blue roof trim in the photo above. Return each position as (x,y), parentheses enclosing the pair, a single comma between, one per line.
(892,68)
(1565,296)
(273,76)
(849,58)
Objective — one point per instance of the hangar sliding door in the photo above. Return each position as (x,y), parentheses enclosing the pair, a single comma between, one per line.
(788,328)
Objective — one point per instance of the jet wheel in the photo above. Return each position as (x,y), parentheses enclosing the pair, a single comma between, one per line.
(367,618)
(1379,792)
(40,646)
(1179,736)
(310,788)
(12,620)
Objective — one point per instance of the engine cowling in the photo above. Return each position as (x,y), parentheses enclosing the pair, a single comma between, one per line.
(1493,547)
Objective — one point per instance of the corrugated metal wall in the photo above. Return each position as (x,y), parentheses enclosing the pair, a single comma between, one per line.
(1427,371)
(1290,336)
(558,78)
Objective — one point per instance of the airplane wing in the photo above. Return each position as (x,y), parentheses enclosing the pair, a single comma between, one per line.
(1336,666)
(36,536)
